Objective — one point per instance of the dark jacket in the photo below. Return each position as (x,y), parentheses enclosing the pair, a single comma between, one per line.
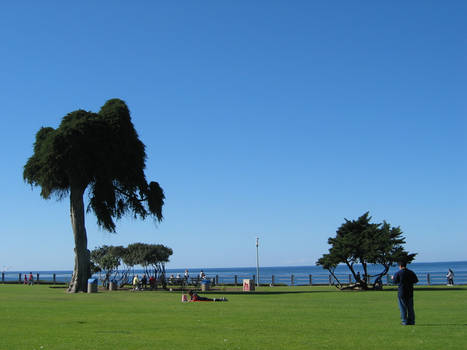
(405,278)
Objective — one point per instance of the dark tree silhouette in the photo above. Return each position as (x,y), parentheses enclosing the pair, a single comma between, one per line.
(99,153)
(360,241)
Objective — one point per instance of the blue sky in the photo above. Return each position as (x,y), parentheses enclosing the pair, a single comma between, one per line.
(269,118)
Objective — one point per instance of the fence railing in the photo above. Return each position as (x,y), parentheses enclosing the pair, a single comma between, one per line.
(425,278)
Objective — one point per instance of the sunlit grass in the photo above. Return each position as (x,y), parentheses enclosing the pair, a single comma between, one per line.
(40,317)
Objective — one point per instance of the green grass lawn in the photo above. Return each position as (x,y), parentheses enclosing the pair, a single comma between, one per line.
(39,317)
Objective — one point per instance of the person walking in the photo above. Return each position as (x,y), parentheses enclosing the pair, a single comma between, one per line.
(450,277)
(405,279)
(135,283)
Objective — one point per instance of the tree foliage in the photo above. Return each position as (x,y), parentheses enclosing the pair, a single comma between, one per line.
(360,241)
(101,153)
(152,257)
(107,260)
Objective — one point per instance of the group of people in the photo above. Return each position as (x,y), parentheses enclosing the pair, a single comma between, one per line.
(29,281)
(143,283)
(186,276)
(202,275)
(173,279)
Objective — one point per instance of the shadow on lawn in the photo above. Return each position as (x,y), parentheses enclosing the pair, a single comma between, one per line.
(215,291)
(442,324)
(425,289)
(394,289)
(232,292)
(437,288)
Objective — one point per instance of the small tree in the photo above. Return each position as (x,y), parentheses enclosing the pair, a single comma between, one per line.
(131,256)
(101,153)
(149,255)
(127,265)
(108,261)
(157,255)
(360,241)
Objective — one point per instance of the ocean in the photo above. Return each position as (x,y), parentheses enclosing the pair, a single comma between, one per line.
(301,274)
(428,273)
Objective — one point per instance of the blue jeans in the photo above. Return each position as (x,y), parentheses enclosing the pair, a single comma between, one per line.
(407,311)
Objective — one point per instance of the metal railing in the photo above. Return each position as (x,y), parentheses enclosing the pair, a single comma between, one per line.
(425,278)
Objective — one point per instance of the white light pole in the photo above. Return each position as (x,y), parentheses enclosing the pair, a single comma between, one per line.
(257,262)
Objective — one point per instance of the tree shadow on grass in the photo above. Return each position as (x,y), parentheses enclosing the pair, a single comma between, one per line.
(231,292)
(437,288)
(442,325)
(424,289)
(239,292)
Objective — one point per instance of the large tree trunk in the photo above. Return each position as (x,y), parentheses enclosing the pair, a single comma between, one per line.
(366,278)
(359,283)
(339,284)
(350,266)
(82,269)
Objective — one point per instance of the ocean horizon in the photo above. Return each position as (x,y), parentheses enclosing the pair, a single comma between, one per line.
(460,263)
(428,273)
(438,266)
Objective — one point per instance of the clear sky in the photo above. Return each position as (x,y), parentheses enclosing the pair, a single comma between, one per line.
(269,118)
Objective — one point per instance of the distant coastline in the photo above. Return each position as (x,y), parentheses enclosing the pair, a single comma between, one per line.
(428,273)
(438,266)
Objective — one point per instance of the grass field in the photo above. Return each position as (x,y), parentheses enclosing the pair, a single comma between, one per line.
(41,318)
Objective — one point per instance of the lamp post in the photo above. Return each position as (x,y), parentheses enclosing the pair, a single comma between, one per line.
(257,262)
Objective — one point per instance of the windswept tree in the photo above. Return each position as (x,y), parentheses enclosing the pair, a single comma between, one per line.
(99,154)
(149,255)
(134,255)
(362,242)
(157,256)
(107,261)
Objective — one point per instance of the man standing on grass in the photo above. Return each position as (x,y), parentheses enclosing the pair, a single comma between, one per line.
(405,278)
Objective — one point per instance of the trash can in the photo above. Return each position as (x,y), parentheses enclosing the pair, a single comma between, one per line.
(92,285)
(205,284)
(248,285)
